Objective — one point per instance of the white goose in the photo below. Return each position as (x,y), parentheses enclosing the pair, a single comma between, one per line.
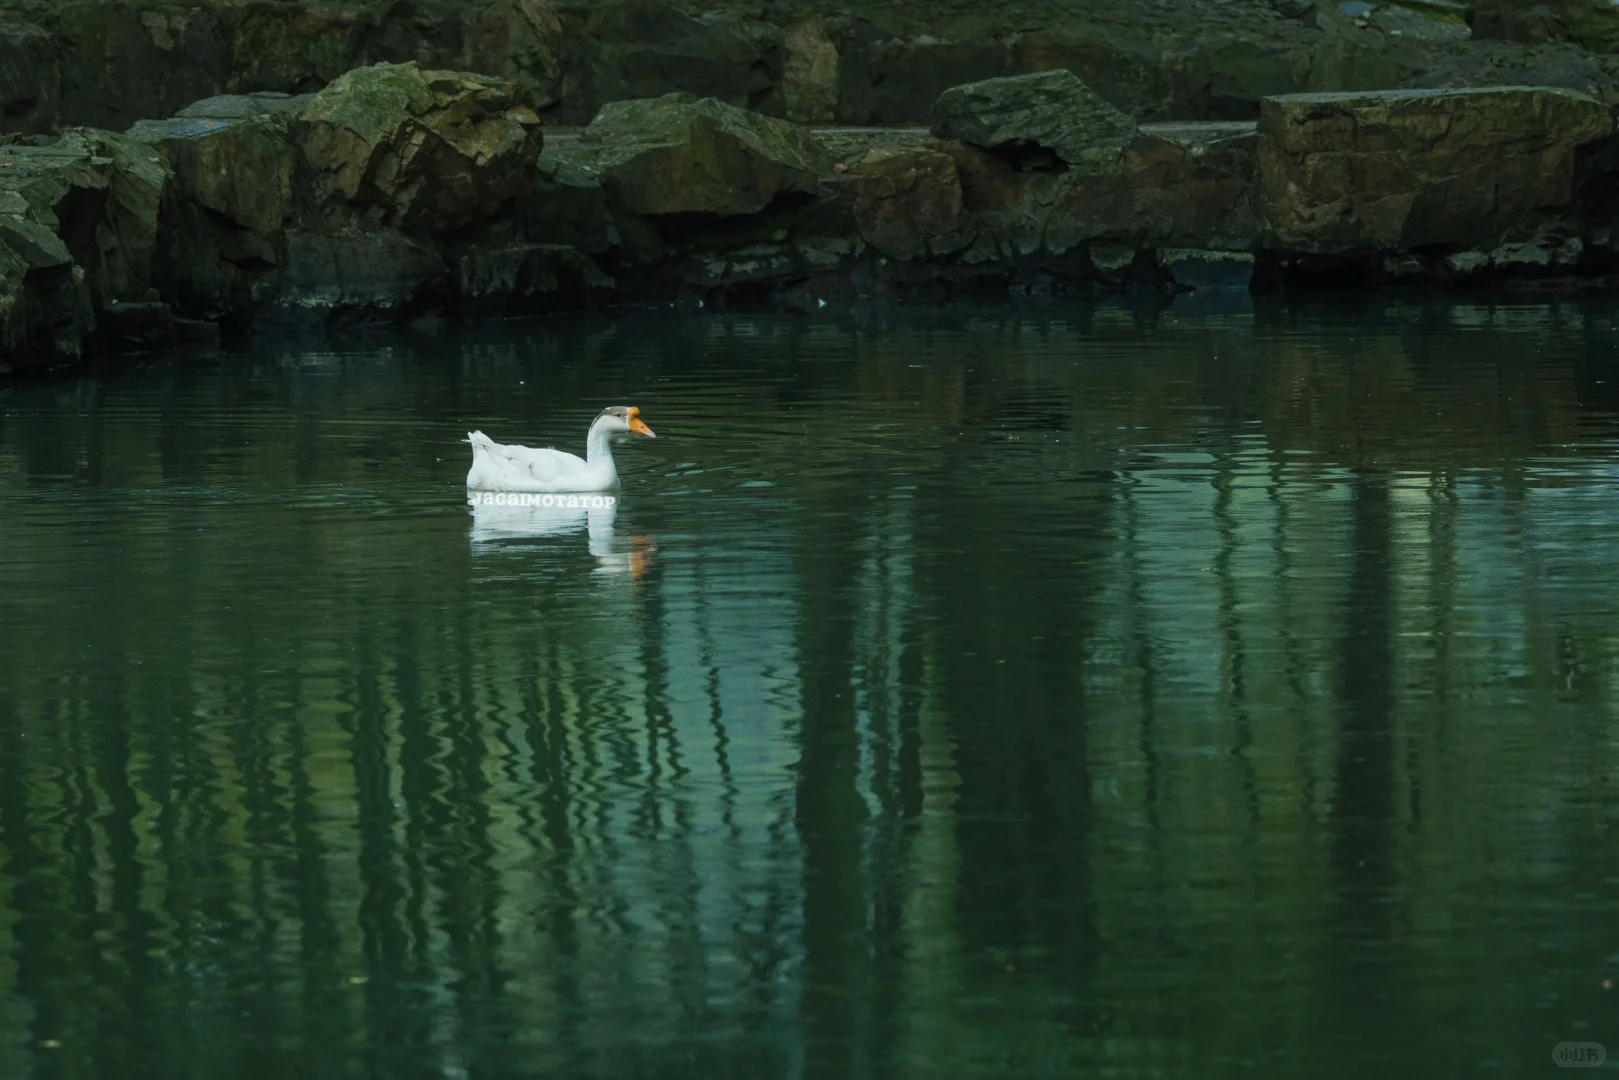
(521,468)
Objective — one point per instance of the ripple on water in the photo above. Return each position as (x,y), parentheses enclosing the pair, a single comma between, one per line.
(944,688)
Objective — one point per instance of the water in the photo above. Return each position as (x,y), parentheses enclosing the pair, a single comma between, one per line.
(1044,693)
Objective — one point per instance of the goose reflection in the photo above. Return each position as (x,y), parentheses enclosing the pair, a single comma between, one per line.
(500,521)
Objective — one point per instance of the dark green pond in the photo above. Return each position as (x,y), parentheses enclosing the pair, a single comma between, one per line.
(1066,692)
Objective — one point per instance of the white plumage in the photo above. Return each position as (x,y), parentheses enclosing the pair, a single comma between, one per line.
(498,467)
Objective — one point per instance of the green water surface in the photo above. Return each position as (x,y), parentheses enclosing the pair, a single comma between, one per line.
(1064,692)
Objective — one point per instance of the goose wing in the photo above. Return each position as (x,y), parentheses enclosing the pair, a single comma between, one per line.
(545,466)
(501,466)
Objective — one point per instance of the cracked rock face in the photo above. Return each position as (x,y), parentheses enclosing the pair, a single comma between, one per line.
(78,224)
(427,151)
(1400,169)
(346,200)
(227,203)
(673,154)
(1052,110)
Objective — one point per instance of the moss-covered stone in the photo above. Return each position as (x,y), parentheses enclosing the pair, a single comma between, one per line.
(427,151)
(112,62)
(45,312)
(1051,110)
(30,78)
(674,154)
(1593,24)
(810,82)
(295,47)
(277,203)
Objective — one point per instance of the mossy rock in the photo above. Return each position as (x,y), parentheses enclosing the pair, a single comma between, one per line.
(677,154)
(1052,110)
(1401,169)
(427,151)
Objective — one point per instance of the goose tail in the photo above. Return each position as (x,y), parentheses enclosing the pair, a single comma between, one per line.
(485,471)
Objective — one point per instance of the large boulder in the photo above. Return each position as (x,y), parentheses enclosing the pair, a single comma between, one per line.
(426,151)
(894,81)
(1051,110)
(228,202)
(113,230)
(676,154)
(569,206)
(394,191)
(1414,20)
(78,225)
(1173,185)
(98,193)
(907,202)
(1399,169)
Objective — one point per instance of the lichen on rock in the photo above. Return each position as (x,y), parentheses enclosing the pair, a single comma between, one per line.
(1398,169)
(676,154)
(1051,110)
(429,151)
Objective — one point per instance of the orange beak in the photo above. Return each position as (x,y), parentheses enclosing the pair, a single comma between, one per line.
(637,426)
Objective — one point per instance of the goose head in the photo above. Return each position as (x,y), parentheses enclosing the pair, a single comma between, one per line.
(622,418)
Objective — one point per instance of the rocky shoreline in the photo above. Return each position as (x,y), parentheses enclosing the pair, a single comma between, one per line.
(396,191)
(111,63)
